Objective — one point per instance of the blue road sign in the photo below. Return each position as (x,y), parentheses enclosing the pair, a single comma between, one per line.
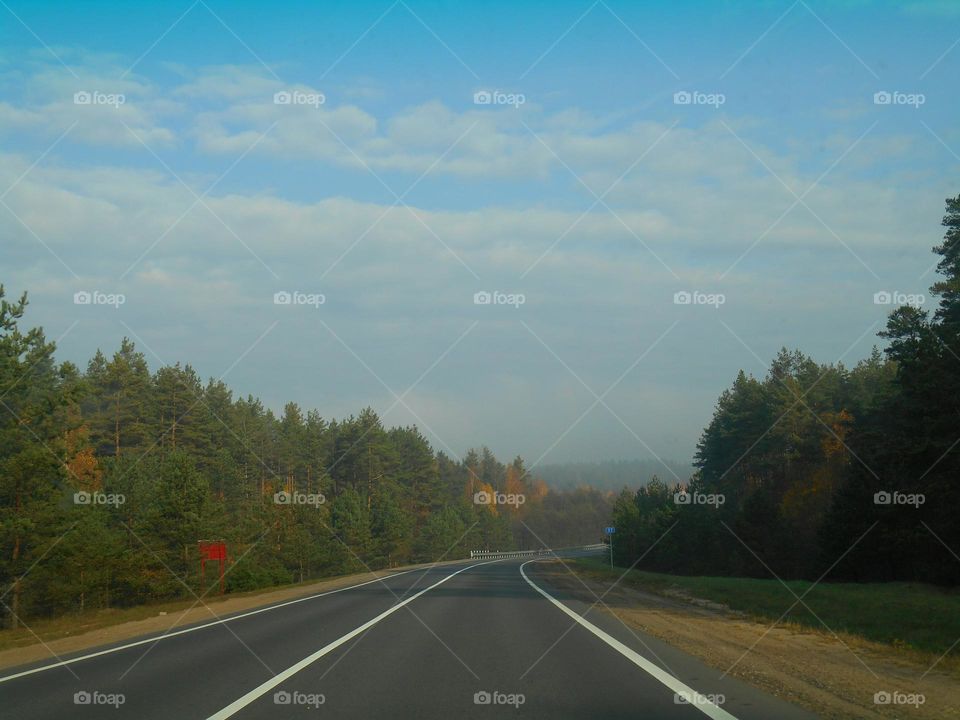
(610,530)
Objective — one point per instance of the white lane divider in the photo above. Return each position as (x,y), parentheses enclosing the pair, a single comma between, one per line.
(237,705)
(198,627)
(702,704)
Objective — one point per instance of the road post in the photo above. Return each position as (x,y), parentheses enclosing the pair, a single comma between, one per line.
(610,531)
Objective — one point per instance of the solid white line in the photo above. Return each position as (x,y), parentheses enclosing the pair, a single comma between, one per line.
(237,705)
(194,629)
(707,708)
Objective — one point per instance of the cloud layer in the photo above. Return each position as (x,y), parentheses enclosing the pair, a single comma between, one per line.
(200,197)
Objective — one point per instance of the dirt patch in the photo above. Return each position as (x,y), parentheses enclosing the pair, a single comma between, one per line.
(833,676)
(171,617)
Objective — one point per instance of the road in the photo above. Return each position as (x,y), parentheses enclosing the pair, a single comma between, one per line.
(476,639)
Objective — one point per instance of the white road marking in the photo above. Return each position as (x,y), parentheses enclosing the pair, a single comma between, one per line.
(194,629)
(237,705)
(707,708)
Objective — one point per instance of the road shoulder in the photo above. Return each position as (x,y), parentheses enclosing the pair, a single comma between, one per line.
(176,616)
(832,676)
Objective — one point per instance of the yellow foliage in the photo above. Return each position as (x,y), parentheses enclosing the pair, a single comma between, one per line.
(834,443)
(83,469)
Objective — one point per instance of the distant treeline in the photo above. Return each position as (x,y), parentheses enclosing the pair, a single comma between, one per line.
(109,478)
(824,471)
(611,474)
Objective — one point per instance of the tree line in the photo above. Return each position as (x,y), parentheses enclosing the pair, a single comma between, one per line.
(819,470)
(610,474)
(110,476)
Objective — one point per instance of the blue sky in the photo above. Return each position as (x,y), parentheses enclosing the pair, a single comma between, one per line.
(783,186)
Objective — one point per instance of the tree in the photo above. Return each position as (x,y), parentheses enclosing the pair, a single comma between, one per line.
(442,536)
(391,526)
(351,523)
(120,401)
(34,398)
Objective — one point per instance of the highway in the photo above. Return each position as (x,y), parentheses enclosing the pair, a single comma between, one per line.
(477,639)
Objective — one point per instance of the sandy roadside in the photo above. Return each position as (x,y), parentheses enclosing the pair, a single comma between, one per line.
(159,624)
(834,676)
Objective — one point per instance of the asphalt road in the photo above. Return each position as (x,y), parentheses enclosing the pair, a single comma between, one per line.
(478,639)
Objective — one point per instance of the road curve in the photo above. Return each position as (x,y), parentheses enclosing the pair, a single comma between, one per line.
(468,640)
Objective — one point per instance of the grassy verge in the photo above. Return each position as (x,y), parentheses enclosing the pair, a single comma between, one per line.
(74,624)
(921,617)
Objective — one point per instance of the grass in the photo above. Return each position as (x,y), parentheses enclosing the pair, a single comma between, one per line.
(906,615)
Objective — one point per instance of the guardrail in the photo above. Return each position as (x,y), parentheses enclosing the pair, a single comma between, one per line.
(499,554)
(495,554)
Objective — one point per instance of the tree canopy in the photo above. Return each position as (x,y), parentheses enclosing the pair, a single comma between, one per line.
(822,470)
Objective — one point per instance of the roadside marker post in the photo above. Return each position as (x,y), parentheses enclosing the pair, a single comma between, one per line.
(610,531)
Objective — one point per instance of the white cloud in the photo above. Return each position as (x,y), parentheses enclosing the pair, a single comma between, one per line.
(698,200)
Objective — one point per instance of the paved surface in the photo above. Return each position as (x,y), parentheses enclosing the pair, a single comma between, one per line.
(431,643)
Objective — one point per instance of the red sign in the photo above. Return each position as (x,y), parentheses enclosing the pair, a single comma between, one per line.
(213,550)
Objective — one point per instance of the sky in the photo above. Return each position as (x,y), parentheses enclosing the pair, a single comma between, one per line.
(388,168)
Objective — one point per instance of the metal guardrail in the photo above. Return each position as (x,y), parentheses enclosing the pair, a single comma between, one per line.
(499,554)
(491,554)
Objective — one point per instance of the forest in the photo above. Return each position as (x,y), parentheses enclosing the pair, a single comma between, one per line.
(110,477)
(822,471)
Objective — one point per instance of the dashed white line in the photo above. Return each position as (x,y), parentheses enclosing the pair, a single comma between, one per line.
(261,690)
